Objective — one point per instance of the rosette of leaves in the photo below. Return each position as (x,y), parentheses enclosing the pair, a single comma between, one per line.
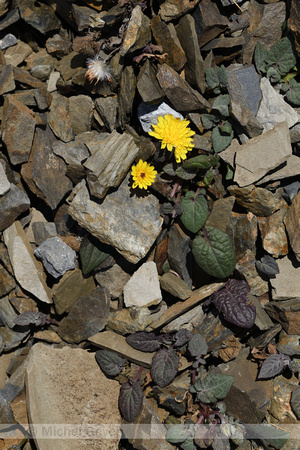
(233,302)
(276,62)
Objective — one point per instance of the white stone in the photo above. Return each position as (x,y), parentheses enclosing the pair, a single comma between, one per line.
(143,288)
(148,114)
(273,108)
(53,78)
(286,285)
(65,388)
(4,183)
(26,268)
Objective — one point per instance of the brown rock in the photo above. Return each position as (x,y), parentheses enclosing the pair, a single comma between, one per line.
(272,231)
(294,23)
(175,286)
(292,223)
(209,21)
(179,92)
(246,267)
(126,96)
(7,82)
(280,410)
(172,9)
(45,172)
(259,201)
(18,127)
(147,84)
(24,78)
(287,313)
(7,282)
(166,37)
(244,233)
(58,118)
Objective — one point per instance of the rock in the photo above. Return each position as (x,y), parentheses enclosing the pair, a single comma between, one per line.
(17,54)
(179,92)
(130,320)
(292,224)
(137,34)
(175,286)
(23,77)
(114,279)
(165,36)
(274,145)
(179,253)
(117,343)
(58,46)
(53,78)
(43,98)
(273,108)
(11,17)
(259,201)
(70,288)
(43,231)
(7,82)
(148,114)
(246,267)
(82,16)
(190,321)
(287,313)
(273,235)
(294,23)
(126,96)
(4,183)
(45,173)
(291,190)
(11,338)
(7,282)
(246,119)
(241,406)
(143,287)
(39,16)
(17,129)
(77,392)
(108,166)
(194,68)
(26,269)
(129,238)
(107,109)
(147,84)
(224,42)
(289,344)
(262,319)
(280,410)
(214,332)
(58,118)
(181,307)
(12,204)
(243,87)
(87,316)
(7,312)
(80,113)
(209,21)
(172,9)
(220,215)
(286,285)
(56,256)
(70,65)
(244,233)
(290,169)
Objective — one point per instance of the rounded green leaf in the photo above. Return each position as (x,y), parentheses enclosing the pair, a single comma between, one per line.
(293,95)
(164,366)
(195,212)
(220,141)
(214,387)
(214,252)
(91,253)
(201,162)
(177,434)
(282,56)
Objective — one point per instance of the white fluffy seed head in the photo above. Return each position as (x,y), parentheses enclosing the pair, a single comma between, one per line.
(97,70)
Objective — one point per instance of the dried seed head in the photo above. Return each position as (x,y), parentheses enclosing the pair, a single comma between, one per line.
(97,70)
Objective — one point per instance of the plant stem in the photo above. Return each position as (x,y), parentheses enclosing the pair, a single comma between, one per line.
(138,374)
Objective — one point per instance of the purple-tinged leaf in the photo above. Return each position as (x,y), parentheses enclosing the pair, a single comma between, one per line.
(232,301)
(197,345)
(214,387)
(130,400)
(182,337)
(110,362)
(267,265)
(145,342)
(273,365)
(164,366)
(33,318)
(295,402)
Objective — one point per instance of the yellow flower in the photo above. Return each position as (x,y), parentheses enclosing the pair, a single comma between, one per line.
(143,174)
(174,133)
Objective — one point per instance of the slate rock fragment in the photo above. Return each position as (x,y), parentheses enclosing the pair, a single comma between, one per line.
(107,108)
(259,201)
(137,34)
(40,16)
(209,21)
(80,109)
(286,285)
(12,204)
(87,316)
(147,84)
(273,234)
(56,256)
(126,96)
(292,224)
(58,118)
(4,183)
(7,82)
(243,86)
(143,287)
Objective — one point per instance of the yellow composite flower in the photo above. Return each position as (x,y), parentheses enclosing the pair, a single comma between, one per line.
(143,175)
(174,133)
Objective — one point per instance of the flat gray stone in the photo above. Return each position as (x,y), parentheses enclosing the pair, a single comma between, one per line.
(244,88)
(107,109)
(26,269)
(273,108)
(262,154)
(66,386)
(143,288)
(80,109)
(286,285)
(7,41)
(4,183)
(149,114)
(43,231)
(132,236)
(114,279)
(58,118)
(87,316)
(290,169)
(108,166)
(12,204)
(57,257)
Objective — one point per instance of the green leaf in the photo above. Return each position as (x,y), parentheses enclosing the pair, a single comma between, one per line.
(188,444)
(281,55)
(208,177)
(169,169)
(164,366)
(293,95)
(186,173)
(209,121)
(214,252)
(91,253)
(221,104)
(212,78)
(260,56)
(222,75)
(226,128)
(197,345)
(220,140)
(177,434)
(273,75)
(284,87)
(214,387)
(195,211)
(295,402)
(229,173)
(201,162)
